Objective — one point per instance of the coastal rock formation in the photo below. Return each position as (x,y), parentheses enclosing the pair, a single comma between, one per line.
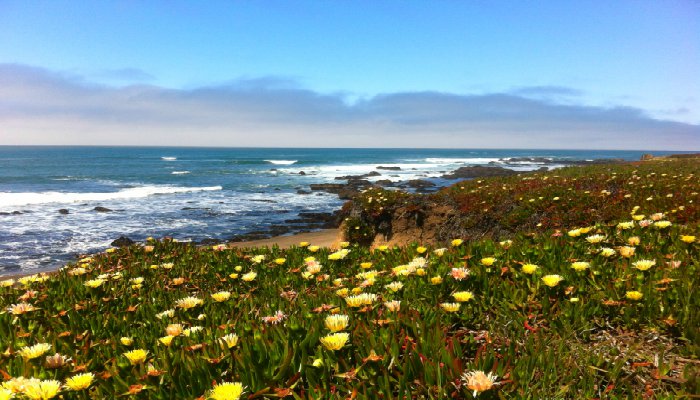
(389,168)
(102,209)
(122,241)
(478,172)
(63,211)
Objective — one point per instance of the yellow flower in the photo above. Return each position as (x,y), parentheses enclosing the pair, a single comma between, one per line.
(249,277)
(644,265)
(41,390)
(21,308)
(488,261)
(335,341)
(174,329)
(439,252)
(594,239)
(457,242)
(394,286)
(463,296)
(94,283)
(233,275)
(662,224)
(7,283)
(361,300)
(393,305)
(238,268)
(6,394)
(339,255)
(188,302)
(688,238)
(478,381)
(344,244)
(280,261)
(230,340)
(136,281)
(625,225)
(574,233)
(450,307)
(258,259)
(31,352)
(80,381)
(227,391)
(552,280)
(626,251)
(126,341)
(421,249)
(178,281)
(580,266)
(506,244)
(436,280)
(420,272)
(166,340)
(638,217)
(313,249)
(634,241)
(337,322)
(607,252)
(383,247)
(221,296)
(366,265)
(304,244)
(529,268)
(634,295)
(137,356)
(342,292)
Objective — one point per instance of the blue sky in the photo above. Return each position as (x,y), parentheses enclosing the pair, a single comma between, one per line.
(330,67)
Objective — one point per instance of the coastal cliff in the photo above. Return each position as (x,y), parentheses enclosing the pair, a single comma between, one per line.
(499,207)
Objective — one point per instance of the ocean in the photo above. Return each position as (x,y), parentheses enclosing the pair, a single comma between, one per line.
(193,194)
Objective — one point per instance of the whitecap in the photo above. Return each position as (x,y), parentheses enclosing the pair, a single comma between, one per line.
(168,158)
(282,162)
(26,198)
(180,172)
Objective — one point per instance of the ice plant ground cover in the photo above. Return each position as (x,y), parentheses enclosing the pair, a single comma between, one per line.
(549,314)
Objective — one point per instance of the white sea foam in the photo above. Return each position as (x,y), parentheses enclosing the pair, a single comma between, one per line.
(471,160)
(180,172)
(168,158)
(281,162)
(27,198)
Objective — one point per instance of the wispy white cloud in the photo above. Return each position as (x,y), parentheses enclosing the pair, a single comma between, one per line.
(38,106)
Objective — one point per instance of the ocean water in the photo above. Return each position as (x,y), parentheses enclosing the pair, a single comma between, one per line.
(192,193)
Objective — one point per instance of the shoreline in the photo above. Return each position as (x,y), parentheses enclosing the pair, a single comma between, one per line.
(322,238)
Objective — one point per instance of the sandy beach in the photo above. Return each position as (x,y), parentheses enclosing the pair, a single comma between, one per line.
(322,238)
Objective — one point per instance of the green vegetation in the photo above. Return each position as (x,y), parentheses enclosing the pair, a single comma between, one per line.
(597,302)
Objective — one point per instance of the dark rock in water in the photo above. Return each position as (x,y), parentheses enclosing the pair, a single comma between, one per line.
(273,169)
(303,192)
(302,173)
(329,187)
(102,209)
(646,157)
(63,211)
(264,200)
(384,182)
(122,241)
(478,172)
(419,183)
(210,241)
(389,168)
(356,177)
(17,213)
